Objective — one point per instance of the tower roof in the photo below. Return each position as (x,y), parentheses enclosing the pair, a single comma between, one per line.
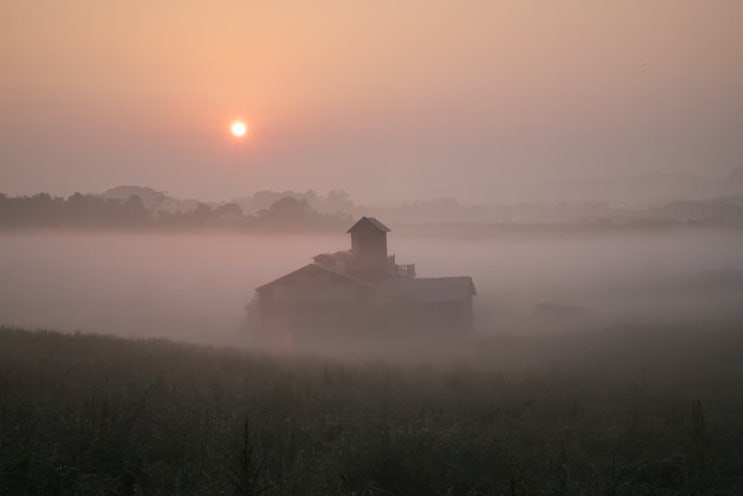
(369,221)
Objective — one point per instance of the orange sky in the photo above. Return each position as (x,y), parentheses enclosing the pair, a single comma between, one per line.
(388,100)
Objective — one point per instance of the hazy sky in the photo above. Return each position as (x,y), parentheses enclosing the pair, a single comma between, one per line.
(386,99)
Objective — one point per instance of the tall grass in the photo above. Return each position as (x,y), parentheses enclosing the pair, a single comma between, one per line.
(624,413)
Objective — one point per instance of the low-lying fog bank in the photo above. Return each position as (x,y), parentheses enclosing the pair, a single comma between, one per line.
(196,286)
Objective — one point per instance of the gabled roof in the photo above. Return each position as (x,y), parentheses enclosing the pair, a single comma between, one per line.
(369,220)
(314,266)
(431,289)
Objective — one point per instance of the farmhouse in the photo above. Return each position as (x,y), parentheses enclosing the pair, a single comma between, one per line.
(364,289)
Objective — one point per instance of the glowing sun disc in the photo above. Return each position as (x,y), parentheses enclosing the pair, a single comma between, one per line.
(238,129)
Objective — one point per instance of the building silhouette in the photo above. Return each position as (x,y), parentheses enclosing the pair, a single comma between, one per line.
(364,290)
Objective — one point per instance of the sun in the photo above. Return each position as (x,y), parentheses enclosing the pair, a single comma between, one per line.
(238,129)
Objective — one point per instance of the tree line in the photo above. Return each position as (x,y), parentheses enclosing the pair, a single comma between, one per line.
(93,212)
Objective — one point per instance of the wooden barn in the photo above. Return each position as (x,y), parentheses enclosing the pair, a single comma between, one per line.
(364,289)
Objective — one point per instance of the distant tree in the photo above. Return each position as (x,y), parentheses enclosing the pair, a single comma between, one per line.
(199,217)
(229,214)
(83,210)
(6,210)
(293,213)
(45,210)
(339,202)
(285,212)
(96,211)
(134,211)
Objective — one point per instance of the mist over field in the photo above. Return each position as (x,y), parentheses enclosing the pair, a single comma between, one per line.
(389,248)
(195,286)
(600,362)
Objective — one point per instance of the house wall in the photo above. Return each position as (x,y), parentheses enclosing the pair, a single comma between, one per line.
(310,300)
(361,315)
(321,287)
(315,299)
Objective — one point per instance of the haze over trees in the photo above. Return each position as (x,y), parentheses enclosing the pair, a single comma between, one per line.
(102,212)
(134,207)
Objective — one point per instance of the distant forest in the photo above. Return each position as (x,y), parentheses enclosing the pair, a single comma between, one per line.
(98,212)
(135,207)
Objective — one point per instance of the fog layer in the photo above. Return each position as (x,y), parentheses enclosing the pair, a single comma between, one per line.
(196,287)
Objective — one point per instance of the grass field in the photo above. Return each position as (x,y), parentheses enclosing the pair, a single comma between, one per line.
(629,410)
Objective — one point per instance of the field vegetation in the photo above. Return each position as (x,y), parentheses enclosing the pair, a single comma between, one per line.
(625,411)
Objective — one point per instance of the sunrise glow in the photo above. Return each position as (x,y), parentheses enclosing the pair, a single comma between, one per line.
(238,129)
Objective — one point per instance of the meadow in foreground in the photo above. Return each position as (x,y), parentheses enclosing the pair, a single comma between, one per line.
(627,411)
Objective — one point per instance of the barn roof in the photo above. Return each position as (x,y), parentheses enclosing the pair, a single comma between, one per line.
(431,289)
(369,220)
(314,266)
